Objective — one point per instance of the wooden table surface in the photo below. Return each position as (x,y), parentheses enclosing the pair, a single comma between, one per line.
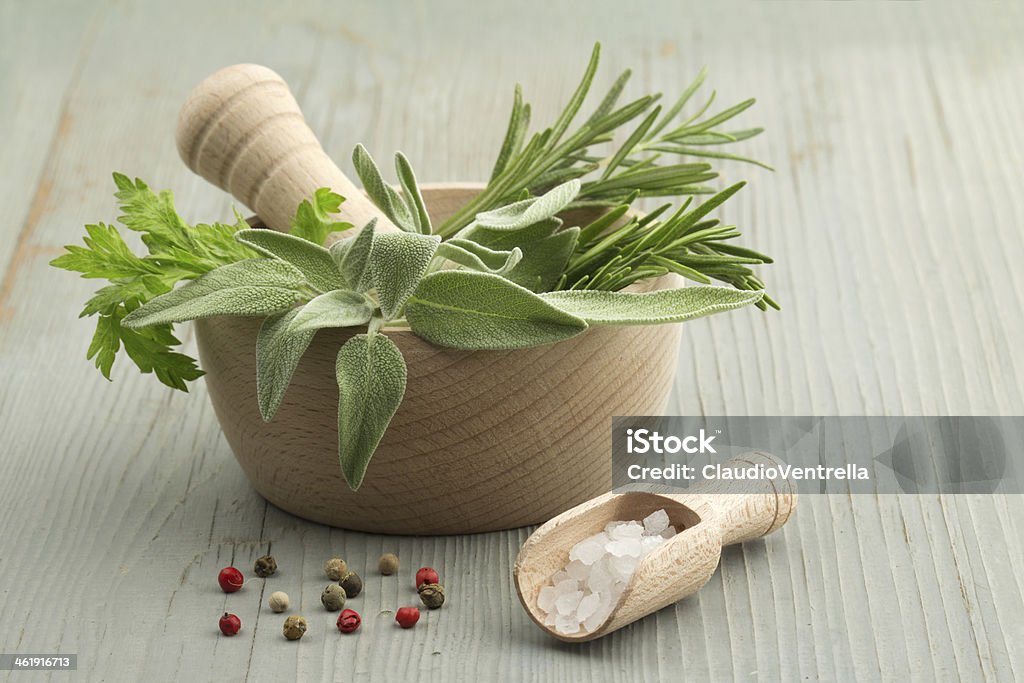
(895,216)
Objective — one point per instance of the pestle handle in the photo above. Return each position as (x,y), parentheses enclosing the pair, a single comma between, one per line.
(243,131)
(743,510)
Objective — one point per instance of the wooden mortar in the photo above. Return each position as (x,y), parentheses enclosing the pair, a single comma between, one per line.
(483,440)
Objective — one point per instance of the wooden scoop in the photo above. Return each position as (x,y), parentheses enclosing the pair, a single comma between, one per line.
(706,517)
(242,130)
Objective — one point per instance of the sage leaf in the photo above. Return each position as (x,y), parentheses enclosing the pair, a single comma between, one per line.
(650,308)
(279,348)
(544,261)
(340,308)
(371,382)
(507,239)
(314,261)
(463,309)
(380,193)
(250,287)
(352,256)
(411,193)
(478,257)
(397,263)
(529,211)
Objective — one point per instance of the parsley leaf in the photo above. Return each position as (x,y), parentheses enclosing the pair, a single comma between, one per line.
(177,252)
(312,219)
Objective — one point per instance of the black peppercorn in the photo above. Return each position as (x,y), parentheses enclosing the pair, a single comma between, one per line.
(265,566)
(352,584)
(432,595)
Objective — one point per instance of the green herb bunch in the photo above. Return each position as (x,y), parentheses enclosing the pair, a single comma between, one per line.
(504,272)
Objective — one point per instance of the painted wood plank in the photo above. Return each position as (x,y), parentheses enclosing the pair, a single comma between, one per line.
(894,211)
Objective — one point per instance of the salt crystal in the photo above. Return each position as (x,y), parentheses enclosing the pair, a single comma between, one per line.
(604,607)
(588,606)
(656,522)
(546,599)
(567,603)
(578,570)
(584,593)
(612,526)
(623,567)
(626,546)
(567,625)
(649,543)
(588,551)
(628,530)
(601,578)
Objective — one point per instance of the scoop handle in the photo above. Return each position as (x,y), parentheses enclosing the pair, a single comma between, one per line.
(743,509)
(242,130)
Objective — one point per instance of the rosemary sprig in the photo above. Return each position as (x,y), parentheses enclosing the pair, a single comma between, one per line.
(686,243)
(554,155)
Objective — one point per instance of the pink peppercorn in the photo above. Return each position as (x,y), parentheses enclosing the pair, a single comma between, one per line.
(407,616)
(426,575)
(230,579)
(230,624)
(349,621)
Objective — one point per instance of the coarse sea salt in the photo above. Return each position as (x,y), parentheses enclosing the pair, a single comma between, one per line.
(583,594)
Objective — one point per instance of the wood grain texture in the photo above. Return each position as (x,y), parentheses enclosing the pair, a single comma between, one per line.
(894,217)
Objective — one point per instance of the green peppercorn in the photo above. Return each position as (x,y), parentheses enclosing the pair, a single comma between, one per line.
(432,595)
(335,568)
(294,627)
(333,597)
(352,584)
(265,566)
(388,564)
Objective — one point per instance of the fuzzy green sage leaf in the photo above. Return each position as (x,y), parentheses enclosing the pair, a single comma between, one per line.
(250,287)
(524,213)
(340,308)
(352,255)
(397,263)
(380,193)
(314,261)
(371,383)
(478,257)
(463,309)
(279,348)
(650,308)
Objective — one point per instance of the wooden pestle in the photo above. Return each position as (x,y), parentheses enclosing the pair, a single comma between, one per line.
(242,130)
(708,516)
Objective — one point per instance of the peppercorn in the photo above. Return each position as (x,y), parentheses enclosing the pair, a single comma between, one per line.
(388,564)
(265,566)
(407,616)
(278,601)
(230,579)
(349,620)
(294,627)
(230,624)
(333,597)
(432,595)
(335,568)
(352,584)
(426,575)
